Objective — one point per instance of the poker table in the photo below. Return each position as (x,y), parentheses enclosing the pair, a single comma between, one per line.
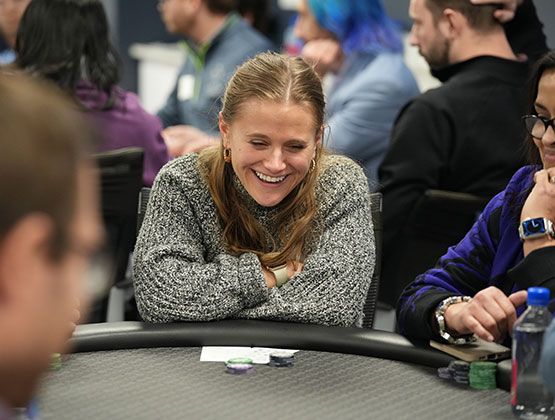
(133,370)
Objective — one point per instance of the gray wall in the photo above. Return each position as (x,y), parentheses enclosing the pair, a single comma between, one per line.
(546,11)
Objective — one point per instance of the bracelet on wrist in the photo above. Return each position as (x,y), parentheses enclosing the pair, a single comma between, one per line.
(440,321)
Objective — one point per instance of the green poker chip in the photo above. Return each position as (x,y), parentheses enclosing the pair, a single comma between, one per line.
(482,375)
(56,362)
(239,360)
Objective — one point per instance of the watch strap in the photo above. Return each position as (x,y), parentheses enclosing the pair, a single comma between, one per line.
(280,272)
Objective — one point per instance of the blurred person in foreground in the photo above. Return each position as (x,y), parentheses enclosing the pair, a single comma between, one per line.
(357,49)
(49,228)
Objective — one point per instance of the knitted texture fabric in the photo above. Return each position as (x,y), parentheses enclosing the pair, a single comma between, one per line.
(182,271)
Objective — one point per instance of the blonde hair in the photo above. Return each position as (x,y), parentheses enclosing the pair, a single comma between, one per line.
(280,79)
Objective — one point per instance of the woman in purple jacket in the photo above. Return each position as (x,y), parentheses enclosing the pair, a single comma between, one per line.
(66,41)
(479,286)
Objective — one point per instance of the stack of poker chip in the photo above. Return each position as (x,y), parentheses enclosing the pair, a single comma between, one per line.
(239,366)
(281,359)
(482,375)
(460,371)
(444,373)
(56,362)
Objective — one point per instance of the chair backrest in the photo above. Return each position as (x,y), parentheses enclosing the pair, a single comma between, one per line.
(144,195)
(121,173)
(439,220)
(372,296)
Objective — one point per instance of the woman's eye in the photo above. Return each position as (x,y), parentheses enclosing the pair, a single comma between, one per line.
(297,147)
(257,143)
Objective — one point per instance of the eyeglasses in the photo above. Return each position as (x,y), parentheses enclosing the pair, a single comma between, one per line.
(536,126)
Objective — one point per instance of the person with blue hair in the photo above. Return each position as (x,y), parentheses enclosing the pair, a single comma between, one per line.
(357,49)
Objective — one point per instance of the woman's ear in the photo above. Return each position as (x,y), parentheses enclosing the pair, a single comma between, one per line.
(224,130)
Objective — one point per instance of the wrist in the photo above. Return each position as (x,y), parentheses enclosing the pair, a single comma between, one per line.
(280,274)
(444,312)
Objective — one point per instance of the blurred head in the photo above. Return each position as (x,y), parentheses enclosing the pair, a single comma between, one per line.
(10,15)
(180,15)
(359,25)
(65,53)
(271,125)
(541,146)
(49,226)
(431,26)
(256,12)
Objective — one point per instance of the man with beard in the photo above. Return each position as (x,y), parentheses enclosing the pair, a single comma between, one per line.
(463,137)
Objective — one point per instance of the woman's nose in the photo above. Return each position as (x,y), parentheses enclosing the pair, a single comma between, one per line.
(275,162)
(549,135)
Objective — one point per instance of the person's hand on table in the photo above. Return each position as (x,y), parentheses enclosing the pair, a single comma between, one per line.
(490,314)
(293,267)
(184,139)
(507,10)
(540,203)
(325,55)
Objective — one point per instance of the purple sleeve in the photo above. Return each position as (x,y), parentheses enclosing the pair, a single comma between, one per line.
(464,270)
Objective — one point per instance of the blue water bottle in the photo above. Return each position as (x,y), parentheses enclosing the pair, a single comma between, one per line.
(530,398)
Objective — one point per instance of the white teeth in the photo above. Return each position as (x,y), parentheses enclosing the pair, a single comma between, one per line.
(269,178)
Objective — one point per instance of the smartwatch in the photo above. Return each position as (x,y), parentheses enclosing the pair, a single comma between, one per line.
(535,228)
(280,272)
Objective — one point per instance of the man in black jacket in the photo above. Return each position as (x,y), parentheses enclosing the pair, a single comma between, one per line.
(463,137)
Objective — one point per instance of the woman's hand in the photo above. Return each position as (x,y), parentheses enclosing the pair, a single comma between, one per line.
(540,203)
(507,10)
(293,267)
(490,315)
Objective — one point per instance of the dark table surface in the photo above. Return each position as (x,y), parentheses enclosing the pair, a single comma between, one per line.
(158,375)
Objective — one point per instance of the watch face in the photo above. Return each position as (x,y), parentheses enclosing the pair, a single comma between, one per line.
(533,227)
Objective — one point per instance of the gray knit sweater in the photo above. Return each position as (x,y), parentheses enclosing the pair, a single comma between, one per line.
(183,273)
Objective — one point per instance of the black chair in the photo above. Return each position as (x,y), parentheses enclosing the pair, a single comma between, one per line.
(372,296)
(439,220)
(121,173)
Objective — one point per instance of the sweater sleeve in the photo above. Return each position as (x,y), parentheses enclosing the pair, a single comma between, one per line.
(172,278)
(332,287)
(464,270)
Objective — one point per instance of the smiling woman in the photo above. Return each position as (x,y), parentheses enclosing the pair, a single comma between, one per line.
(266,225)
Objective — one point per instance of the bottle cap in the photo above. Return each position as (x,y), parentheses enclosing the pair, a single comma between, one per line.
(538,296)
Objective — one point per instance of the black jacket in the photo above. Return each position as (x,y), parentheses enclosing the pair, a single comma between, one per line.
(465,136)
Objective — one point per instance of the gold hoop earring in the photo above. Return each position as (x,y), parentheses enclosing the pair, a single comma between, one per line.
(312,166)
(227,155)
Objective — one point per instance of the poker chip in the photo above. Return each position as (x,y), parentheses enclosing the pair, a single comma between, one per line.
(56,362)
(239,368)
(241,360)
(281,359)
(459,371)
(482,375)
(444,373)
